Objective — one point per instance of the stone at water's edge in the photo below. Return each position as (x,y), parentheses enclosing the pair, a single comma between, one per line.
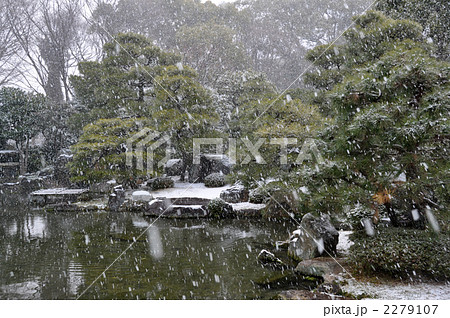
(176,208)
(324,267)
(316,236)
(267,257)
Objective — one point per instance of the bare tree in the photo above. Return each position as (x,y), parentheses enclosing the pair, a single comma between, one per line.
(8,48)
(51,35)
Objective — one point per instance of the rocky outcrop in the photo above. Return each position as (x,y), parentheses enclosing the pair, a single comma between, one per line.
(235,194)
(316,236)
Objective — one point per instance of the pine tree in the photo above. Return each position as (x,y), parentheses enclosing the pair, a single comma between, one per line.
(139,80)
(391,132)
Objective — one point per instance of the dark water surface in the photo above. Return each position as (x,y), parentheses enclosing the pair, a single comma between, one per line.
(58,255)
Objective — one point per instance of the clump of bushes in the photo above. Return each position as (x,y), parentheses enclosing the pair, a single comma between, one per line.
(215,180)
(402,252)
(160,183)
(218,208)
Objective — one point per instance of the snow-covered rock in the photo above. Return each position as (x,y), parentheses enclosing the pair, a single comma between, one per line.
(235,194)
(142,196)
(315,237)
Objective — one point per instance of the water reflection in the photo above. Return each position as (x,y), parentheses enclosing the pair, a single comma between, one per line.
(57,255)
(155,243)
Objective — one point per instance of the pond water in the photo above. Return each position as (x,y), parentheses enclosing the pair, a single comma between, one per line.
(59,255)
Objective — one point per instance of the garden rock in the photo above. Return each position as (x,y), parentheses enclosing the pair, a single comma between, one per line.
(235,194)
(315,237)
(141,196)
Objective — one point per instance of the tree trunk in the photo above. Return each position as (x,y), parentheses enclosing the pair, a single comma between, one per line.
(27,146)
(22,168)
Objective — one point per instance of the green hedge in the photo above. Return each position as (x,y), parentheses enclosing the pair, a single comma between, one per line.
(402,253)
(218,208)
(215,180)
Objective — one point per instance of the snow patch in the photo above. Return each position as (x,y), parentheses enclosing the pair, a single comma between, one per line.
(188,190)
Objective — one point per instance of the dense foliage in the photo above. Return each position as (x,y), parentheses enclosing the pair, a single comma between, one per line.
(433,15)
(100,154)
(20,120)
(389,97)
(402,253)
(137,79)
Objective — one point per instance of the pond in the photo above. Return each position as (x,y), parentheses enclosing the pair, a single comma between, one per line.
(59,255)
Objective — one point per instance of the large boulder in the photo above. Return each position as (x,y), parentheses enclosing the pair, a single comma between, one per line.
(269,259)
(282,203)
(315,237)
(209,164)
(174,167)
(235,194)
(141,196)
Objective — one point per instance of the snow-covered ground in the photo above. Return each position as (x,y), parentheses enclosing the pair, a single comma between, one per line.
(189,190)
(400,291)
(391,290)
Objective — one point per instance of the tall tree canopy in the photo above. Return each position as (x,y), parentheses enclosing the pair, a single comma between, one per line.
(433,15)
(137,79)
(390,136)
